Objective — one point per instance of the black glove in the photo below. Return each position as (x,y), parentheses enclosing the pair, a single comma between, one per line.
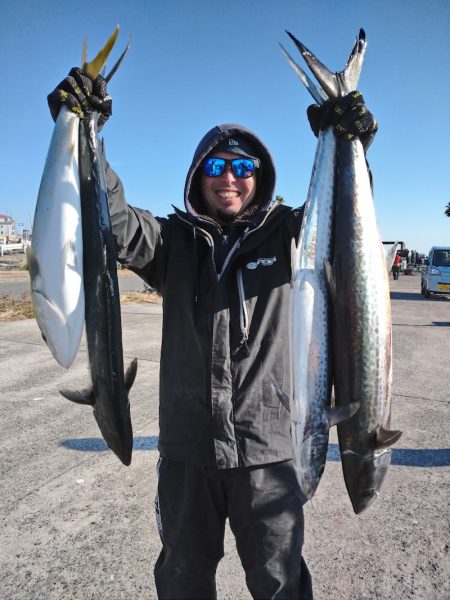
(81,95)
(348,116)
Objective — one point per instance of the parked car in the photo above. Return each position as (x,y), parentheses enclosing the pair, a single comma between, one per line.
(436,275)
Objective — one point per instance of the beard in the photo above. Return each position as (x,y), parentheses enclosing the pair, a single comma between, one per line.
(226,216)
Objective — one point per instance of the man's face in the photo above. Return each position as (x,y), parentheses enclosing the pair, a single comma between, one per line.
(226,195)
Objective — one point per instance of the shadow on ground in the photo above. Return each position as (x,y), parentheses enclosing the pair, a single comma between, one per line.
(406,296)
(404,457)
(99,444)
(407,457)
(432,324)
(417,296)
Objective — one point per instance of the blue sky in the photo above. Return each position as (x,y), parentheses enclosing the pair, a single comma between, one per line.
(196,63)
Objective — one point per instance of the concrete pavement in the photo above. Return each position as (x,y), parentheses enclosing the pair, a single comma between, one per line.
(78,524)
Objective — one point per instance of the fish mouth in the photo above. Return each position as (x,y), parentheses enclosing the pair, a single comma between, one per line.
(366,499)
(313,452)
(364,475)
(55,329)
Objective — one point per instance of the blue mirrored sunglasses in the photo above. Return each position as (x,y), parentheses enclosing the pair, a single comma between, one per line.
(241,167)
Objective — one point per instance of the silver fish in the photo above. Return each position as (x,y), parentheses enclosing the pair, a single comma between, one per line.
(55,258)
(311,374)
(362,331)
(56,255)
(108,394)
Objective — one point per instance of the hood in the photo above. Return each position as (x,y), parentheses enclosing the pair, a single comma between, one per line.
(266,173)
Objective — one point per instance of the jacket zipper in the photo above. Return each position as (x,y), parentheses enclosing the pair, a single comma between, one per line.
(244,236)
(243,314)
(230,254)
(236,245)
(207,235)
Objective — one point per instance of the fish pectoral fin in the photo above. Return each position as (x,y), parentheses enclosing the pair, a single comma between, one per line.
(130,374)
(385,438)
(294,259)
(329,277)
(338,414)
(84,397)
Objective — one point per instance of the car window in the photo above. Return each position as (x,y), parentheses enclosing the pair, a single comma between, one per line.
(441,258)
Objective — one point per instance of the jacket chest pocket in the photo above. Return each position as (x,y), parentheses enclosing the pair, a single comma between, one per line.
(256,285)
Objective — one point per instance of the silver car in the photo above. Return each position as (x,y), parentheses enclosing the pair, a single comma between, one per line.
(436,276)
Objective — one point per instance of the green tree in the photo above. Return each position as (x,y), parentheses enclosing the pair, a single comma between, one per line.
(447,210)
(280,200)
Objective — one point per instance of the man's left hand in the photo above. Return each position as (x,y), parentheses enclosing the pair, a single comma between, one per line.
(348,116)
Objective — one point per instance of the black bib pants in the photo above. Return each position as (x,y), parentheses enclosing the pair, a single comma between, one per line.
(264,507)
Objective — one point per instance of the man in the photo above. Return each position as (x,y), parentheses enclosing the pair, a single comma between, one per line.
(223,268)
(396,266)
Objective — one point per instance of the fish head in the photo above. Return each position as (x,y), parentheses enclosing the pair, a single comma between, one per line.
(365,474)
(54,329)
(113,423)
(310,458)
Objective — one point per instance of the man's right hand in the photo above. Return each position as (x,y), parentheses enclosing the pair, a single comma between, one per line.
(81,95)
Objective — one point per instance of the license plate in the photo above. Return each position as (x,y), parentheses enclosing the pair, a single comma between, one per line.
(445,287)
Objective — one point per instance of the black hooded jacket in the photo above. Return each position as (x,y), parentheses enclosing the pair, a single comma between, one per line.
(224,371)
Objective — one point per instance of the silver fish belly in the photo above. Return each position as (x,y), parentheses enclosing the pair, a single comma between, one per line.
(56,256)
(309,324)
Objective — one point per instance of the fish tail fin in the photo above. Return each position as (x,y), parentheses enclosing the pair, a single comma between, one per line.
(315,90)
(281,395)
(352,69)
(130,374)
(338,414)
(342,82)
(84,397)
(93,68)
(385,437)
(119,61)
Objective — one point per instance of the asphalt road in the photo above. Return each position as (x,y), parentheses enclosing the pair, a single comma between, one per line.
(128,282)
(76,524)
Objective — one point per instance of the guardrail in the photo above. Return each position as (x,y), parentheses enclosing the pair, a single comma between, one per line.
(10,248)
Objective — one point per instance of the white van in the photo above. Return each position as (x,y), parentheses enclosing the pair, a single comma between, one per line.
(436,276)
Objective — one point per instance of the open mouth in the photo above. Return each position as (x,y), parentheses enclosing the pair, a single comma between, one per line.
(228,195)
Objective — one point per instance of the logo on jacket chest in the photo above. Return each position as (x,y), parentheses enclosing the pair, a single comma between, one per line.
(264,262)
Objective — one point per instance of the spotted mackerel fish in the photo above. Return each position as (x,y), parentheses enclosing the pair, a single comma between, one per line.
(340,316)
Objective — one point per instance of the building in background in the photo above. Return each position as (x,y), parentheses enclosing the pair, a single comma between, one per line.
(7,226)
